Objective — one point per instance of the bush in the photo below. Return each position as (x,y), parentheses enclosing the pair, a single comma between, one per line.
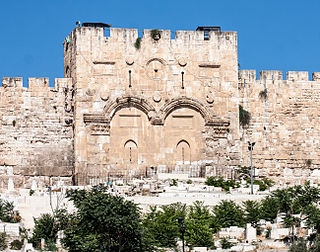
(225,244)
(7,214)
(3,241)
(137,44)
(44,228)
(16,245)
(244,117)
(220,182)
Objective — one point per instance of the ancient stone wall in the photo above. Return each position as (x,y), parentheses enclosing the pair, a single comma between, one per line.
(285,124)
(149,102)
(36,134)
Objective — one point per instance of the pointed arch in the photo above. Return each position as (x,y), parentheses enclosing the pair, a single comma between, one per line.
(127,102)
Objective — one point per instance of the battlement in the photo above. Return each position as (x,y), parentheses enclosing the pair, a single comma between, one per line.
(130,35)
(38,84)
(250,75)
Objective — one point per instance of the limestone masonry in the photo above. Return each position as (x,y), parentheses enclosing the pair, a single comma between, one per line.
(134,107)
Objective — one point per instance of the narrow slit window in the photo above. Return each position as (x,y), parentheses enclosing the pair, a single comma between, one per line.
(182,84)
(130,79)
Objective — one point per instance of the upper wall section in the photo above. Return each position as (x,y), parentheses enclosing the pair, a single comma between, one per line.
(151,60)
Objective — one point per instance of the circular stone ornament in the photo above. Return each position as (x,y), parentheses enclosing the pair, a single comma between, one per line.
(157,97)
(129,60)
(210,98)
(182,61)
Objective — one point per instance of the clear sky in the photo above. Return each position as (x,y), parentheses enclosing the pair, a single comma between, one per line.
(272,34)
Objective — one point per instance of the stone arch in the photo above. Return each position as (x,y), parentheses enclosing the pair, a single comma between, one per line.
(131,151)
(183,152)
(184,102)
(127,102)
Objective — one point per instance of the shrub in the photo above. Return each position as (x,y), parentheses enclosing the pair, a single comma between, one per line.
(31,192)
(16,244)
(155,34)
(3,241)
(137,44)
(225,244)
(244,117)
(7,214)
(220,182)
(263,94)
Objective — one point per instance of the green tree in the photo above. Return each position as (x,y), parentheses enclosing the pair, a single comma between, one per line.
(44,229)
(103,222)
(269,208)
(162,224)
(252,212)
(198,231)
(7,213)
(227,214)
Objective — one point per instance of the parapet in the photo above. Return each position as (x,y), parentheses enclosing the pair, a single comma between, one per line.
(270,75)
(250,75)
(122,34)
(297,76)
(38,84)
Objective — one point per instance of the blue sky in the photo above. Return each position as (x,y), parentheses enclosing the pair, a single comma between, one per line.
(272,34)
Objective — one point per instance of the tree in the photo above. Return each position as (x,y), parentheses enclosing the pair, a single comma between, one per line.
(44,229)
(269,208)
(227,214)
(103,222)
(7,213)
(252,212)
(198,231)
(162,224)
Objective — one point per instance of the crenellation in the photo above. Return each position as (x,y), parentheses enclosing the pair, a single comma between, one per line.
(297,76)
(247,75)
(270,75)
(12,82)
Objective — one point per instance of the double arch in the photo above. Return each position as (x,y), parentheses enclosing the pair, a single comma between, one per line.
(159,117)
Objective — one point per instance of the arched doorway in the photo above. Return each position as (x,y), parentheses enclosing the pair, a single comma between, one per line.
(183,152)
(131,152)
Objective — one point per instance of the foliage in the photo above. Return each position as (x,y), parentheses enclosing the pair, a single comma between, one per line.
(268,233)
(189,181)
(3,241)
(174,182)
(44,229)
(243,171)
(7,214)
(308,162)
(220,182)
(252,212)
(16,244)
(225,243)
(137,44)
(315,247)
(263,94)
(264,183)
(198,231)
(103,222)
(244,117)
(269,208)
(299,246)
(155,34)
(227,214)
(31,192)
(163,226)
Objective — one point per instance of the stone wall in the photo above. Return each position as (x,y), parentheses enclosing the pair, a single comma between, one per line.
(285,124)
(36,133)
(167,96)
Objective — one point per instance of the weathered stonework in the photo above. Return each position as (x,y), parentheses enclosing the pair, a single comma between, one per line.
(165,105)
